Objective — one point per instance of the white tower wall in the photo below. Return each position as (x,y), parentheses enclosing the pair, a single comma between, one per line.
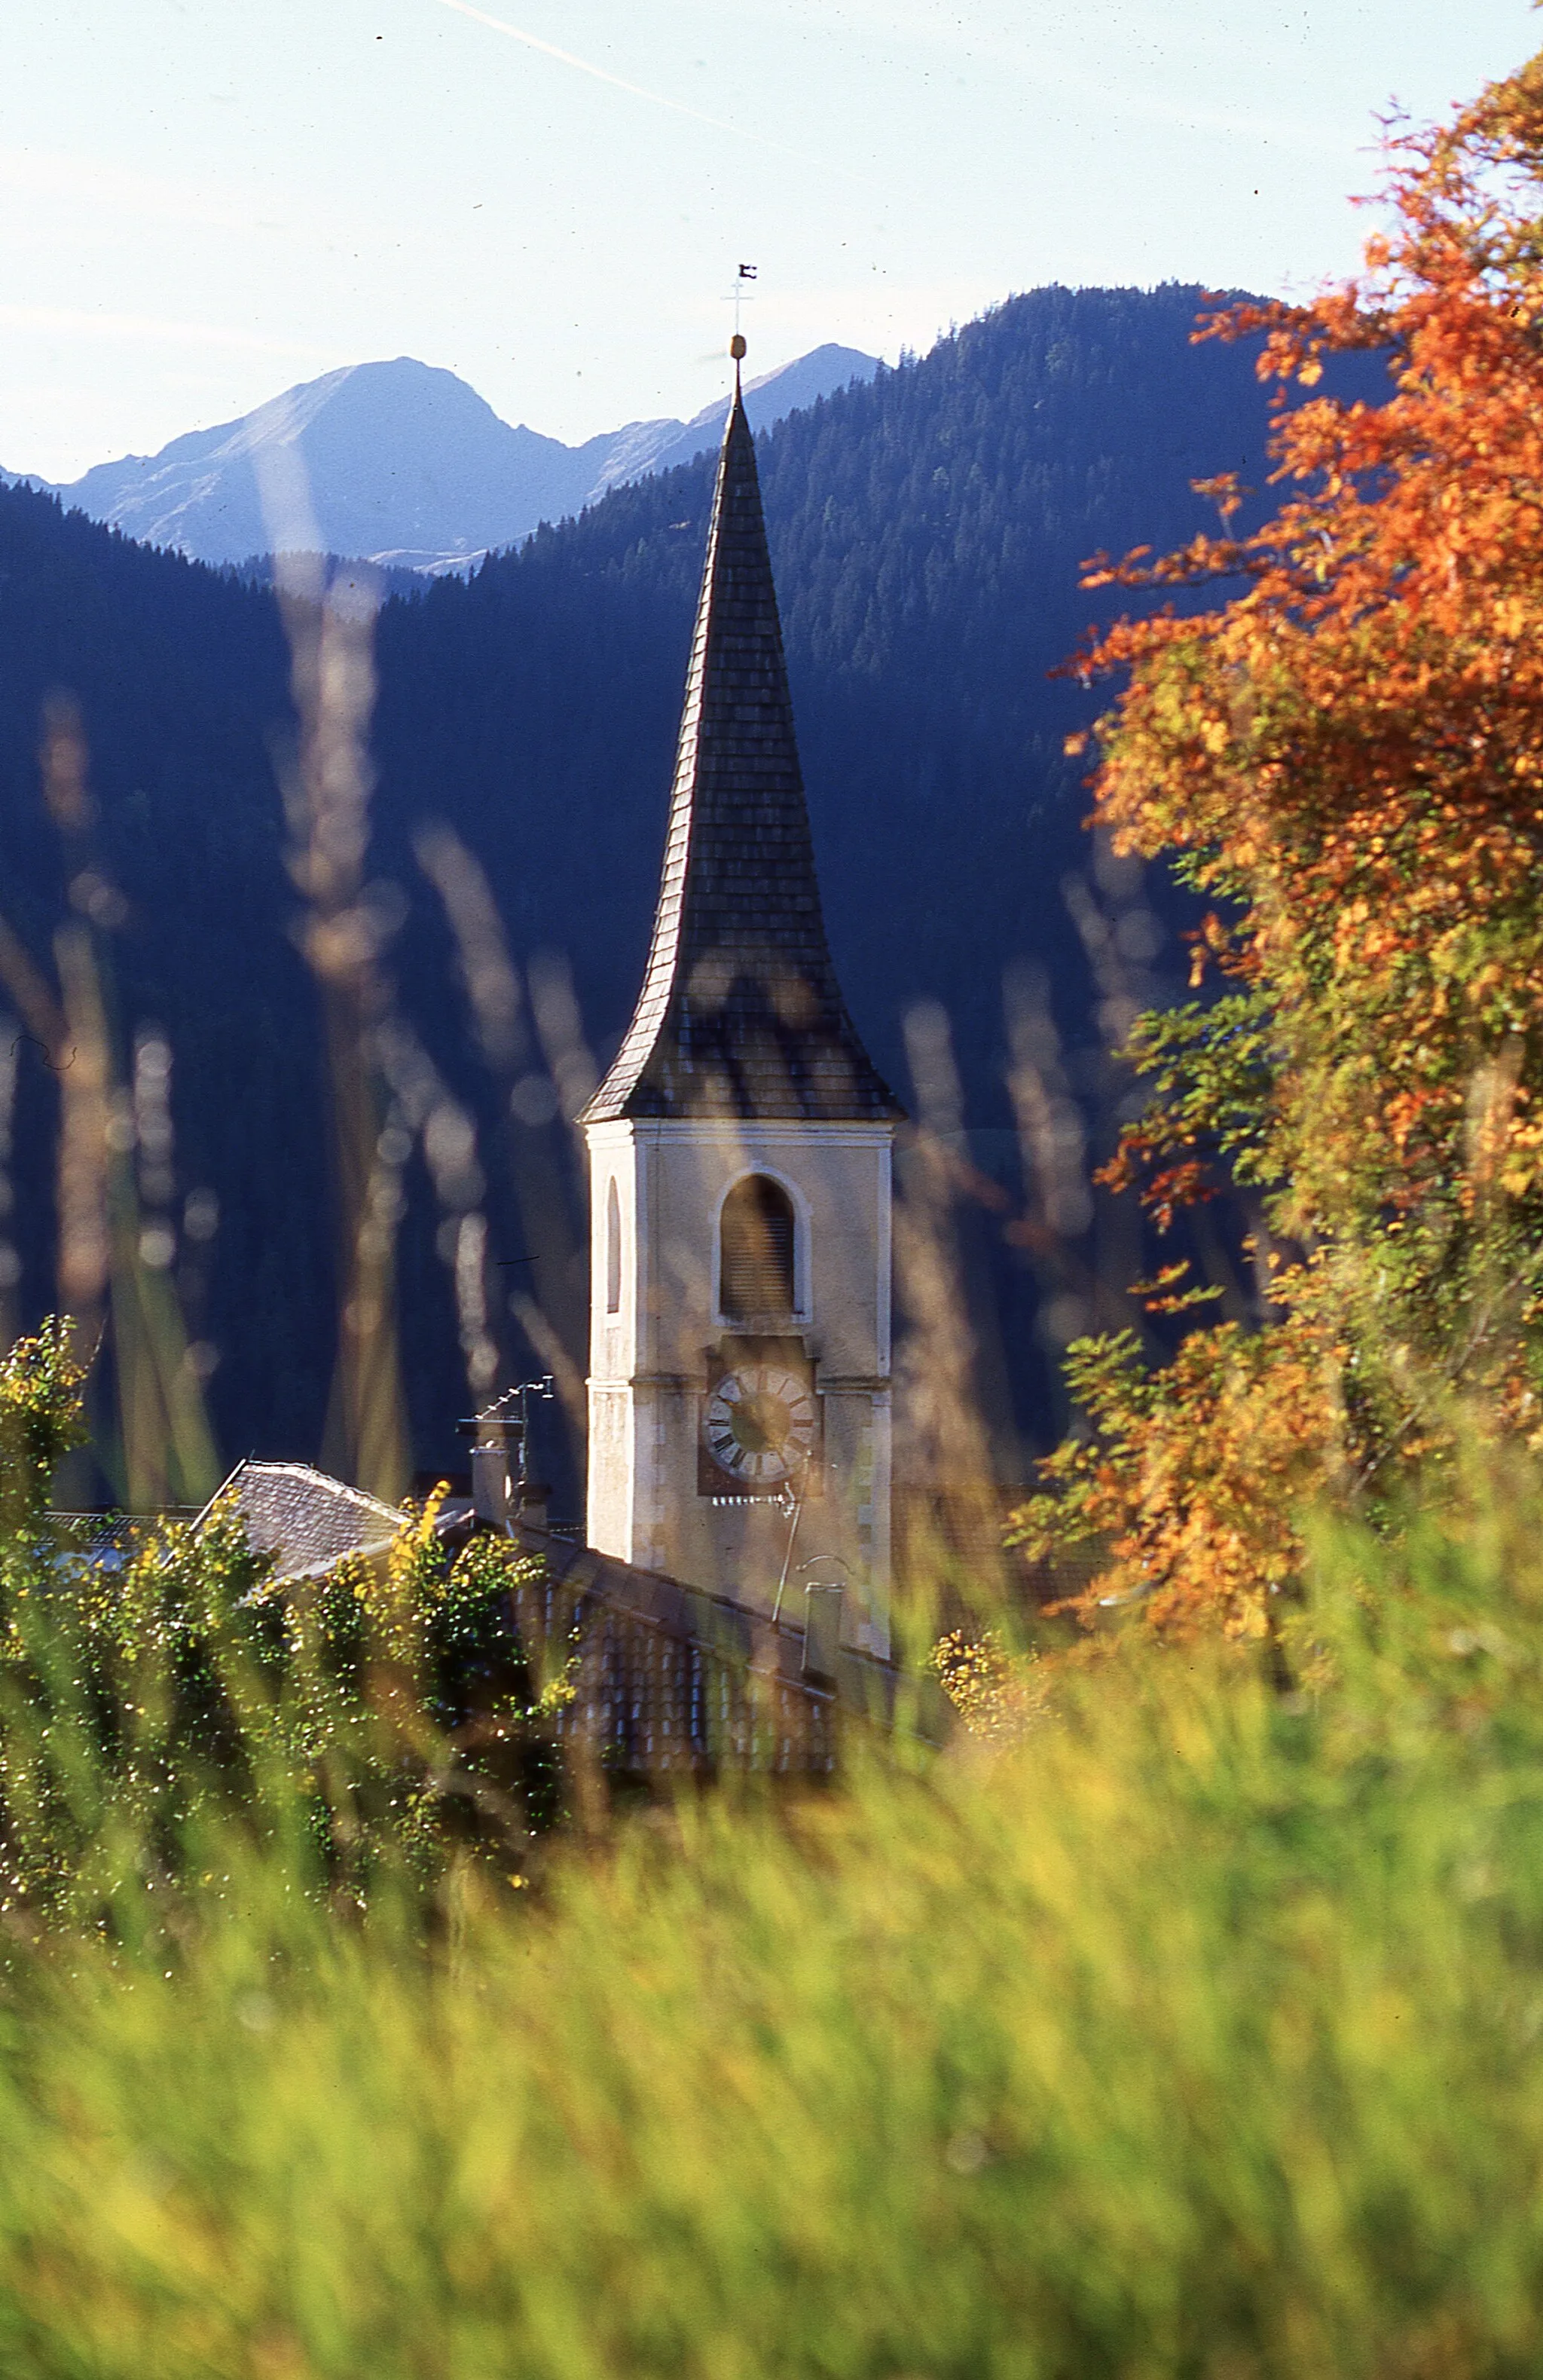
(649,1359)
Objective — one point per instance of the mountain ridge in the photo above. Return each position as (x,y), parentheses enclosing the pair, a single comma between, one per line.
(402,463)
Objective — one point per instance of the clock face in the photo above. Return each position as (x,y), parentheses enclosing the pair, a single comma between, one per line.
(759,1424)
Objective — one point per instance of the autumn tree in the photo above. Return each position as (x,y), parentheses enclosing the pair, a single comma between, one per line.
(1342,753)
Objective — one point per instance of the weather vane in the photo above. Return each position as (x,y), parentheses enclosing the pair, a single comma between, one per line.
(745,274)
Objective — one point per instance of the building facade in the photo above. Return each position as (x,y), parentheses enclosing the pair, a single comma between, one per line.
(739,1153)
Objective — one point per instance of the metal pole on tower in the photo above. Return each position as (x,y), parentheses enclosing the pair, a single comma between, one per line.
(745,274)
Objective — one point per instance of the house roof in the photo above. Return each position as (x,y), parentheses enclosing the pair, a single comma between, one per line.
(305,1520)
(741,1013)
(105,1540)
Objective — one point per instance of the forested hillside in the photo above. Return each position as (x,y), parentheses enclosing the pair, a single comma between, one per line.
(927,531)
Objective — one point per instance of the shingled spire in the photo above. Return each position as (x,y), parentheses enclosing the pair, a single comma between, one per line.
(740,1015)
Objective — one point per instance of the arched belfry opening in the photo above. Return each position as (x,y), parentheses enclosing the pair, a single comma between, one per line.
(613,1249)
(757,1250)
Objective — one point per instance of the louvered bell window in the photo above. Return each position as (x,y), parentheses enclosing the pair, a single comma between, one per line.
(756,1249)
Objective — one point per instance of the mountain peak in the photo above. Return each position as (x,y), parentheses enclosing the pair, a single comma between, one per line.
(404,459)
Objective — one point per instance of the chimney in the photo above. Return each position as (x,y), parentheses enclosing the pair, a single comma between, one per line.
(503,1494)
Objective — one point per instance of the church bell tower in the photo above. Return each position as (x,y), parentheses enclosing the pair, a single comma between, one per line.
(739,1158)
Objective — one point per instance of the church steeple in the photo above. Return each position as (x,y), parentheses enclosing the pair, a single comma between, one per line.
(740,1015)
(740,1155)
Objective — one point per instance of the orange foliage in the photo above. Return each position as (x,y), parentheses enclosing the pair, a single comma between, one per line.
(1190,1480)
(1346,755)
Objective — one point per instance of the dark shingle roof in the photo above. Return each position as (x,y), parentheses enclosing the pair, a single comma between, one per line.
(105,1540)
(741,1013)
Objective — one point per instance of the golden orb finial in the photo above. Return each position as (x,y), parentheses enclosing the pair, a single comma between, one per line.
(737,347)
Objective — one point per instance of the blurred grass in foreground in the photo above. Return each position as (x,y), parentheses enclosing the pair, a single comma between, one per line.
(1198,2032)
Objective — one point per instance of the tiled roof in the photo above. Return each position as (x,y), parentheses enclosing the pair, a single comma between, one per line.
(734,1631)
(305,1520)
(104,1540)
(741,1013)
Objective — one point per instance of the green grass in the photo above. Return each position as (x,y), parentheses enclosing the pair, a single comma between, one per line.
(1199,2032)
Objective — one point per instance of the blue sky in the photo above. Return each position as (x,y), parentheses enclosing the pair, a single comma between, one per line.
(202,201)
